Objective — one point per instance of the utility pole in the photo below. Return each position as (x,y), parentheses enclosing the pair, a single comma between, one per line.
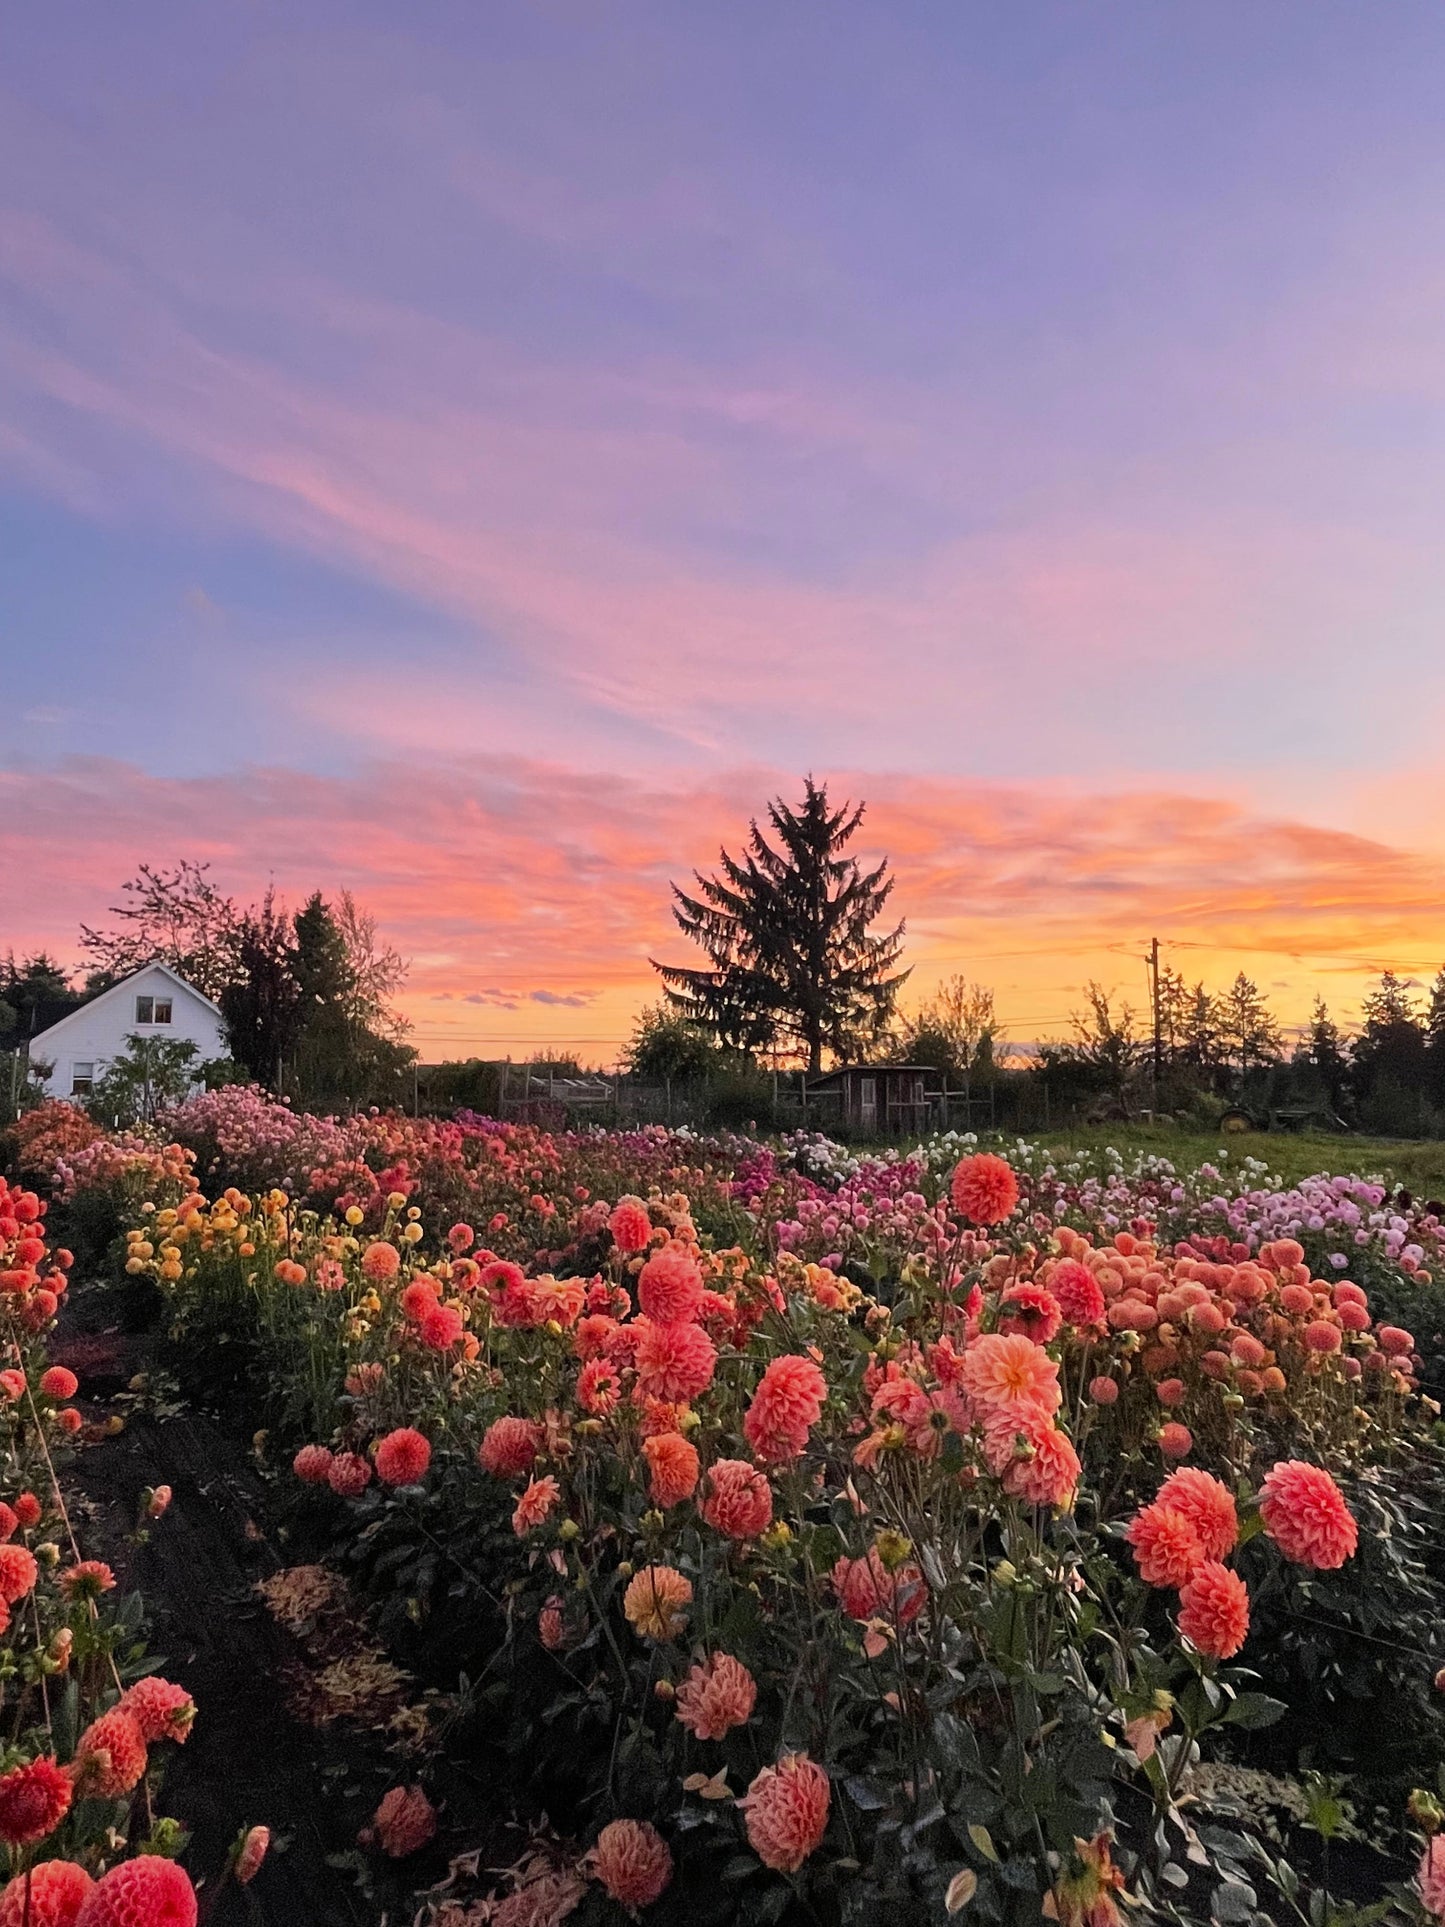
(1151,963)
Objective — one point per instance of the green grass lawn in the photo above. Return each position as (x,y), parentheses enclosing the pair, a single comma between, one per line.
(1419,1165)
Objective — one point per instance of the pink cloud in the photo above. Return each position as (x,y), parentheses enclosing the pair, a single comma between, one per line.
(539,892)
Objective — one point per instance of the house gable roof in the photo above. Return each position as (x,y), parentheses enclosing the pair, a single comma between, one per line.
(90,1003)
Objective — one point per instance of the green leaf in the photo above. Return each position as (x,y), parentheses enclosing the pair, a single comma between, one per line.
(1252,1710)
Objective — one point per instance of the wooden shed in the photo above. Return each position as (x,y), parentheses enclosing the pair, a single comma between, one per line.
(880,1100)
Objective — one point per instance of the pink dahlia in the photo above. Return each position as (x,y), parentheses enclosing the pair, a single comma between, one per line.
(630,1225)
(404,1822)
(1206,1504)
(510,1447)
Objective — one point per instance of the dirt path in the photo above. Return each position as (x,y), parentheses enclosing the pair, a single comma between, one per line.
(247,1760)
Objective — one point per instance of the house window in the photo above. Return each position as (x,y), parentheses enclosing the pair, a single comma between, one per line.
(82,1079)
(153,1010)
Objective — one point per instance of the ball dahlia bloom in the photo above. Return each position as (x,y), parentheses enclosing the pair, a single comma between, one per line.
(656,1602)
(349,1474)
(509,1447)
(717,1695)
(1207,1504)
(380,1263)
(59,1382)
(312,1464)
(630,1225)
(1176,1441)
(984,1189)
(1166,1543)
(145,1892)
(34,1799)
(669,1288)
(674,1362)
(402,1457)
(787,1811)
(786,1406)
(1031,1309)
(1304,1512)
(632,1861)
(738,1501)
(441,1328)
(160,1709)
(58,1890)
(404,1822)
(110,1756)
(535,1505)
(673,1466)
(1214,1610)
(1045,1470)
(18,1571)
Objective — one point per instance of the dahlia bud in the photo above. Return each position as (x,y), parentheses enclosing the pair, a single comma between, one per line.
(48,1554)
(664,1690)
(569,1528)
(1425,1810)
(250,1852)
(156,1499)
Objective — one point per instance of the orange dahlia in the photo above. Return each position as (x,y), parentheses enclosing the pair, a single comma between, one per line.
(1167,1547)
(673,1464)
(161,1711)
(402,1457)
(656,1602)
(1207,1505)
(670,1286)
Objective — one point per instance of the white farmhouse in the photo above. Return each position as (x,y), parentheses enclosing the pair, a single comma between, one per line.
(155,1002)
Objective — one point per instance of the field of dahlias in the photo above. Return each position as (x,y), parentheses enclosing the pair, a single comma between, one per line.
(730,1531)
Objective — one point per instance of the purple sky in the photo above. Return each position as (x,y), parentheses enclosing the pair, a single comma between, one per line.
(582,412)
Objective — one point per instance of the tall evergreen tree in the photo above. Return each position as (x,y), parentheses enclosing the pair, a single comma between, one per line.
(787,927)
(1248,1031)
(1435,1040)
(1326,1052)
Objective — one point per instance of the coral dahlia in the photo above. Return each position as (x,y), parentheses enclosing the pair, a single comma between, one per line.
(632,1861)
(1304,1512)
(738,1501)
(656,1602)
(717,1695)
(402,1457)
(57,1891)
(984,1189)
(787,1811)
(786,1406)
(146,1892)
(1214,1610)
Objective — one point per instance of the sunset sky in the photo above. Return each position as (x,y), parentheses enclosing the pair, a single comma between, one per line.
(475,454)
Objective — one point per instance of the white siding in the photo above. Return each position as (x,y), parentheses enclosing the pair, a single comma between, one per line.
(97,1031)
